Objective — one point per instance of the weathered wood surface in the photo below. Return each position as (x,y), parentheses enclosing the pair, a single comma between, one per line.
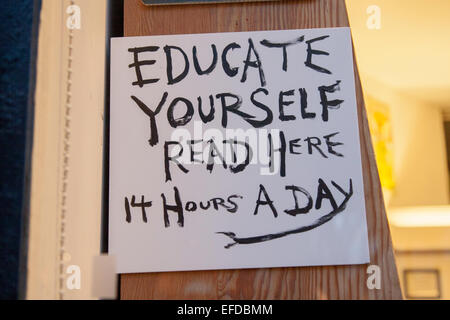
(326,282)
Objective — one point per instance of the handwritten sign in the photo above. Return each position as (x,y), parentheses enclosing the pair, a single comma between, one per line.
(235,150)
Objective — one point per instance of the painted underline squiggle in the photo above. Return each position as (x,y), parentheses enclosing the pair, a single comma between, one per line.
(267,237)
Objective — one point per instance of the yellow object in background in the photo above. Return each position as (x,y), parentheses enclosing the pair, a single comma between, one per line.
(381,132)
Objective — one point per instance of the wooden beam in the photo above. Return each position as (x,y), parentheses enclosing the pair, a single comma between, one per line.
(324,282)
(67,155)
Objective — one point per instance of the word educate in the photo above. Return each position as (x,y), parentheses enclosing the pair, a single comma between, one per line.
(252,61)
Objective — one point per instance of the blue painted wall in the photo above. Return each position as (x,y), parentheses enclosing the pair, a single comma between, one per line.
(16,24)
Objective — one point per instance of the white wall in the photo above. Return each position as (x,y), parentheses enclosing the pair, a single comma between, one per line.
(420,163)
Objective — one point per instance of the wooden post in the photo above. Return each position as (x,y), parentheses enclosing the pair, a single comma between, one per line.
(325,282)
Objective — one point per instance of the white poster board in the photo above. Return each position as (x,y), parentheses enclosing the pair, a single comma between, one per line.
(235,150)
